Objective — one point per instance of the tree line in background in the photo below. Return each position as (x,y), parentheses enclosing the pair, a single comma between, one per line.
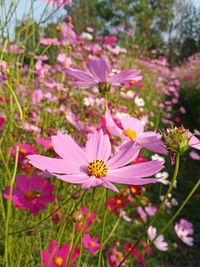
(166,27)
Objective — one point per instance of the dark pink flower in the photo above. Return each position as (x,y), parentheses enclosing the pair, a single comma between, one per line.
(57,256)
(31,193)
(115,257)
(90,243)
(91,219)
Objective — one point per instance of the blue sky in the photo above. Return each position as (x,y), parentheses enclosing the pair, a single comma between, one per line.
(24,7)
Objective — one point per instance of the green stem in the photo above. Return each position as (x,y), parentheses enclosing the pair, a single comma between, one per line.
(9,208)
(16,100)
(102,234)
(43,220)
(74,243)
(106,102)
(158,210)
(176,214)
(181,207)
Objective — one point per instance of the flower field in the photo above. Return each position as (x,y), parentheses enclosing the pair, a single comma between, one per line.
(99,148)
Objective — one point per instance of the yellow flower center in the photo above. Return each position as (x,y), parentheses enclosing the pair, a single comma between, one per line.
(119,255)
(97,168)
(129,133)
(118,201)
(58,261)
(30,195)
(92,244)
(133,190)
(23,151)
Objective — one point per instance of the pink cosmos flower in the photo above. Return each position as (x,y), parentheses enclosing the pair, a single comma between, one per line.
(25,150)
(31,193)
(183,230)
(194,141)
(142,214)
(132,131)
(90,243)
(2,122)
(115,257)
(45,143)
(92,166)
(91,219)
(3,75)
(100,73)
(135,253)
(150,210)
(159,241)
(57,257)
(194,155)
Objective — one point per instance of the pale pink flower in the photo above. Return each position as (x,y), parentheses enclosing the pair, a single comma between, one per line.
(132,131)
(158,241)
(92,166)
(184,230)
(37,96)
(194,155)
(142,214)
(100,73)
(150,210)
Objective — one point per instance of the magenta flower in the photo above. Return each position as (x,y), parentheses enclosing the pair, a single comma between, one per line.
(93,166)
(100,73)
(90,243)
(90,220)
(184,230)
(132,131)
(115,257)
(158,241)
(31,193)
(57,257)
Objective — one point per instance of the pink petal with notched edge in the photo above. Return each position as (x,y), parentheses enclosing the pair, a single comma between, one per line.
(74,178)
(111,125)
(65,146)
(194,142)
(128,153)
(100,69)
(109,185)
(80,75)
(125,76)
(138,170)
(54,165)
(92,182)
(156,147)
(84,84)
(130,180)
(98,146)
(133,124)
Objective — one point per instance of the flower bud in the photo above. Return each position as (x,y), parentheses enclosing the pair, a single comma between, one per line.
(77,216)
(104,88)
(177,139)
